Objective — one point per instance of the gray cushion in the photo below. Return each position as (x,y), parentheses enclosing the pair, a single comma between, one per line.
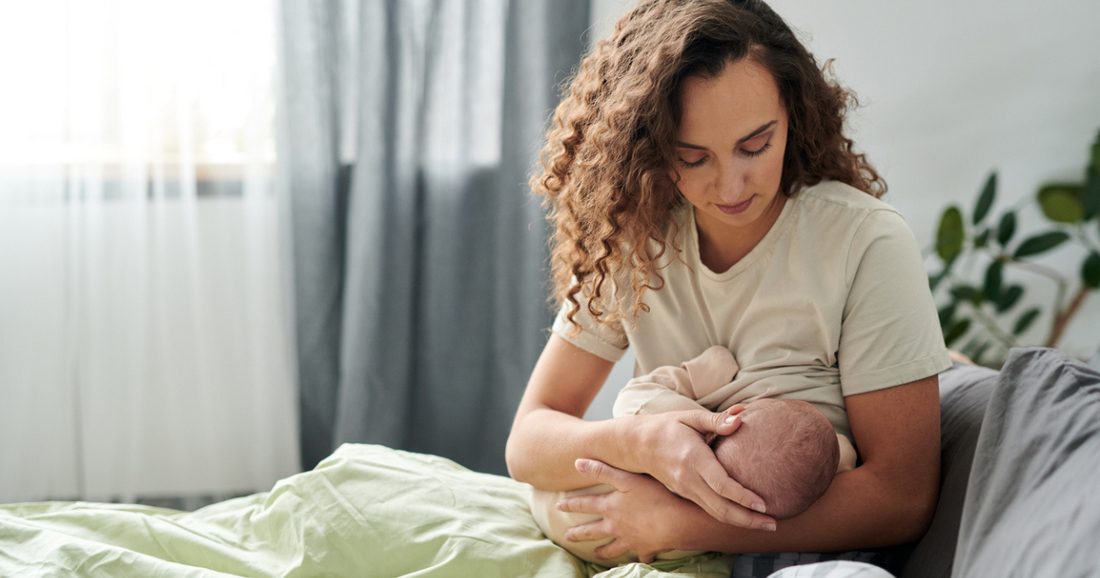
(1033,501)
(964,394)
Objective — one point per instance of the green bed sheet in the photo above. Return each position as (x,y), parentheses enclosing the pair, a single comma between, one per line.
(365,511)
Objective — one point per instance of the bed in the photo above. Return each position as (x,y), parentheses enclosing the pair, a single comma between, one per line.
(364,511)
(1019,497)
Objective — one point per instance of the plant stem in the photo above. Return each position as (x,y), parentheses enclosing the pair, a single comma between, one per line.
(1044,271)
(1062,318)
(1034,268)
(1006,340)
(1084,239)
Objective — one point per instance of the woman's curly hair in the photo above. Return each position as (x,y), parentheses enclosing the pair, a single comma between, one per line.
(606,168)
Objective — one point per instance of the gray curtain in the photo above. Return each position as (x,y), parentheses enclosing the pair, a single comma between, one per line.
(407,131)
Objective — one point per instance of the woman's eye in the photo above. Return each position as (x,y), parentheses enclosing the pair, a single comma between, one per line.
(757,152)
(691,164)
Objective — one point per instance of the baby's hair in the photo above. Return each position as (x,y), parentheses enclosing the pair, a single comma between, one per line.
(785,450)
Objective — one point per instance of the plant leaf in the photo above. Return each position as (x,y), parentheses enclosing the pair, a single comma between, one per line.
(1062,202)
(993,276)
(985,199)
(947,314)
(1009,297)
(1040,243)
(1094,159)
(956,332)
(982,239)
(1090,195)
(1025,321)
(1007,228)
(949,237)
(1090,270)
(967,293)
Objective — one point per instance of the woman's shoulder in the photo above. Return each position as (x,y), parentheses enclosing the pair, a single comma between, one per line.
(832,209)
(841,197)
(837,223)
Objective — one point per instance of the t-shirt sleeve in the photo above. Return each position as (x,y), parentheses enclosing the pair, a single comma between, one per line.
(609,343)
(890,331)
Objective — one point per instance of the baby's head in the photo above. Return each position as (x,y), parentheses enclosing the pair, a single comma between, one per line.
(785,450)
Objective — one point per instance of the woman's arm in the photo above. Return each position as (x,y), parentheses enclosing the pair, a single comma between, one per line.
(548,436)
(888,500)
(548,429)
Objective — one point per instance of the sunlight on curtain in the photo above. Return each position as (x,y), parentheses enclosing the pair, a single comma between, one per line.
(145,338)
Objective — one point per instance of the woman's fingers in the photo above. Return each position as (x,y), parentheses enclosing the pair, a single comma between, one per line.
(708,484)
(731,502)
(723,423)
(616,548)
(600,472)
(587,532)
(726,507)
(730,411)
(732,513)
(590,504)
(598,530)
(716,477)
(734,409)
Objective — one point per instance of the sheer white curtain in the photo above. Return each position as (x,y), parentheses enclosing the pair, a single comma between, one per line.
(145,328)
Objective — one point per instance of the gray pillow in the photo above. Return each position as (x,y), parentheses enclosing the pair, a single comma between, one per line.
(964,394)
(1033,501)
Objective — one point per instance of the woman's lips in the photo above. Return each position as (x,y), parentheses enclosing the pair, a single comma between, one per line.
(735,209)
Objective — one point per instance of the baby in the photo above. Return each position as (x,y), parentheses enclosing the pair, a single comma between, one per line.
(785,450)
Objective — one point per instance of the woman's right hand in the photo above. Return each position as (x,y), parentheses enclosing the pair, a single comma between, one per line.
(549,435)
(675,452)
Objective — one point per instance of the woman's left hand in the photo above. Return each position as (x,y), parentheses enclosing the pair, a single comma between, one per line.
(641,515)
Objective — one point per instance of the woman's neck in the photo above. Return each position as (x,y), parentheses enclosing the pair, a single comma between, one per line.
(723,247)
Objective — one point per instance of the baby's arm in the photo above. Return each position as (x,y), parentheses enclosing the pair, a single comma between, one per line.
(672,388)
(657,392)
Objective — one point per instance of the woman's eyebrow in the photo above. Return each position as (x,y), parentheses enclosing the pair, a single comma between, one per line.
(763,128)
(749,136)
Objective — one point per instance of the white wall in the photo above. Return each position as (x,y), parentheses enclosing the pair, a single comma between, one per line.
(952,90)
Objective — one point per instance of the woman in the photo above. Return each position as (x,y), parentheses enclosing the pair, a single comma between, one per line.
(702,193)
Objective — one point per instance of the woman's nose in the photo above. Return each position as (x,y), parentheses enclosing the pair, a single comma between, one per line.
(730,182)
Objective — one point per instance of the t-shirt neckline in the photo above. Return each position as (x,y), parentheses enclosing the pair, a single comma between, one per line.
(765,244)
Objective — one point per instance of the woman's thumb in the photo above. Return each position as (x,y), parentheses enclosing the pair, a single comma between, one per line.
(723,423)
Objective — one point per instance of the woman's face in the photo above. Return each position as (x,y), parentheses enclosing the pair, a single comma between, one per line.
(730,143)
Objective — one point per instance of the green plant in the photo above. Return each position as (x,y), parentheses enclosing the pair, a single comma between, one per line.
(989,309)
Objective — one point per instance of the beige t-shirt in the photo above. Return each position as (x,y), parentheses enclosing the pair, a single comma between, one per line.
(833,301)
